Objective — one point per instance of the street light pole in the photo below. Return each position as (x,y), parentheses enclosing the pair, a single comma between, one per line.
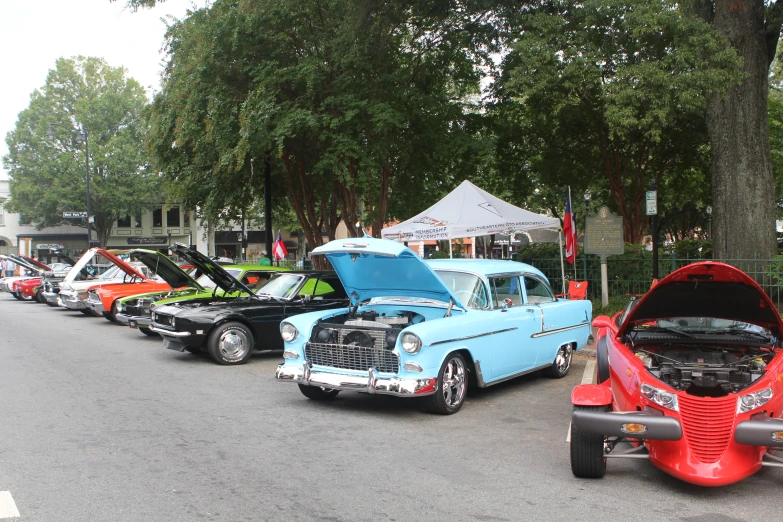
(588,197)
(82,136)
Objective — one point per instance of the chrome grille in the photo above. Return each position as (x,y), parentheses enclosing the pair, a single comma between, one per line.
(162,319)
(352,357)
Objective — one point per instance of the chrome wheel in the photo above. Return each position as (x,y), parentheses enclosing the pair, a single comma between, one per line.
(233,343)
(563,359)
(453,385)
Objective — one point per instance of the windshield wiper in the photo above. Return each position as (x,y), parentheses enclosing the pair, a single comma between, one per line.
(663,329)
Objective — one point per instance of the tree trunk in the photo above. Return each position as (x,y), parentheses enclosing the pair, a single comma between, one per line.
(743,191)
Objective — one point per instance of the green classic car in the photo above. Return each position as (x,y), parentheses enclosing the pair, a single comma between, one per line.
(135,310)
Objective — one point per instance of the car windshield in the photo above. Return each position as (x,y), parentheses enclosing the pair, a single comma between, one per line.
(110,273)
(208,283)
(468,288)
(281,285)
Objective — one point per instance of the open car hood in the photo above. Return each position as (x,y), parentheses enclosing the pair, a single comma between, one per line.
(222,279)
(706,289)
(41,266)
(370,267)
(90,254)
(165,268)
(21,261)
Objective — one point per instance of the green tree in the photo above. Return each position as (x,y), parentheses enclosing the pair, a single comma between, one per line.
(611,93)
(743,188)
(353,100)
(48,172)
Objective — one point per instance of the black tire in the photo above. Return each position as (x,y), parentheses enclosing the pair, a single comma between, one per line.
(231,343)
(562,363)
(147,331)
(317,393)
(587,450)
(39,296)
(602,359)
(449,397)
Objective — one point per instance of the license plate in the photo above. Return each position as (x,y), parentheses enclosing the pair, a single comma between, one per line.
(133,324)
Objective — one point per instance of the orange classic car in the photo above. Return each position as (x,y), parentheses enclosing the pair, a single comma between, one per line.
(164,275)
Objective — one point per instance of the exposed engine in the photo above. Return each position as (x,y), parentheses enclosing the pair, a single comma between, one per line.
(359,341)
(705,371)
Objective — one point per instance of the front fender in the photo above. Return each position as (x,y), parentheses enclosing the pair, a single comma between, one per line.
(591,395)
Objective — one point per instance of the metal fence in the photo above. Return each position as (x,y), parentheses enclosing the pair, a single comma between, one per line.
(628,277)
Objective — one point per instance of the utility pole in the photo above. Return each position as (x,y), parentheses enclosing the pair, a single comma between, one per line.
(268,203)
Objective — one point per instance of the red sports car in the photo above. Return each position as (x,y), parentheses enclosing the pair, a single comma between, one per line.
(690,376)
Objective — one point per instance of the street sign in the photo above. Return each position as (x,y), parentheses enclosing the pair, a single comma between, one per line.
(92,218)
(73,215)
(652,202)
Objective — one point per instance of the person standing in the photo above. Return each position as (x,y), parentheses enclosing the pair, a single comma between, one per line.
(265,260)
(9,268)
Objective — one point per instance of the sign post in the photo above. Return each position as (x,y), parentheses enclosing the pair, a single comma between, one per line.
(652,211)
(604,237)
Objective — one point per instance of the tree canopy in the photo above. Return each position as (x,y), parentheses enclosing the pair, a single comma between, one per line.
(48,177)
(352,100)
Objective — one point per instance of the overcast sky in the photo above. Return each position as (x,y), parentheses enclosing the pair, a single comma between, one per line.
(34,33)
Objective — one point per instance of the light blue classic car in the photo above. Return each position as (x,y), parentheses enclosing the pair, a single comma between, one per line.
(429,328)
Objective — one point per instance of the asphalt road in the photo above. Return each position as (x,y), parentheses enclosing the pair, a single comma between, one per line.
(98,422)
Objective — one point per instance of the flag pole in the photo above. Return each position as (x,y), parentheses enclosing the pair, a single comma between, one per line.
(562,265)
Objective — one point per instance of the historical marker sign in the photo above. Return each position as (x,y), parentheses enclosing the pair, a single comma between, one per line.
(147,241)
(72,215)
(604,234)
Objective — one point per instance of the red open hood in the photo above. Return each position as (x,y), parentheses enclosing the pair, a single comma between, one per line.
(125,267)
(707,289)
(36,263)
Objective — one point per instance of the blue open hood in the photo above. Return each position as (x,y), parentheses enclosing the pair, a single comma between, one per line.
(372,267)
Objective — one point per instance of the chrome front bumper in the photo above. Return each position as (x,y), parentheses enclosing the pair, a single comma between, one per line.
(50,297)
(71,301)
(344,381)
(169,333)
(95,306)
(143,321)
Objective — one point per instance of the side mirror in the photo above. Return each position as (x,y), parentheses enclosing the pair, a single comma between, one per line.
(602,321)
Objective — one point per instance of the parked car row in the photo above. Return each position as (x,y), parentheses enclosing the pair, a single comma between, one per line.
(690,376)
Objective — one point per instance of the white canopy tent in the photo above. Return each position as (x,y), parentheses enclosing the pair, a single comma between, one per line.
(469,211)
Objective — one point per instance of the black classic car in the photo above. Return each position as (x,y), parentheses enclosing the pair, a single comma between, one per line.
(229,330)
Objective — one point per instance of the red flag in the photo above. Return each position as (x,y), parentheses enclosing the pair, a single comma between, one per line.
(278,249)
(569,229)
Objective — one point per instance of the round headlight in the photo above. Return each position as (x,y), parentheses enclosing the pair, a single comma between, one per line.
(411,343)
(288,331)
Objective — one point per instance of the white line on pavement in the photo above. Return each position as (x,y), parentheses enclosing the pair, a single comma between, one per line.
(7,505)
(587,378)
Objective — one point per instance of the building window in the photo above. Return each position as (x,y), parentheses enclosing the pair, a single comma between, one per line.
(124,222)
(186,218)
(2,215)
(137,221)
(24,220)
(3,243)
(157,217)
(172,217)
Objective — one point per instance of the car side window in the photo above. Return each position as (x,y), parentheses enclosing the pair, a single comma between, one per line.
(506,287)
(255,280)
(537,291)
(324,289)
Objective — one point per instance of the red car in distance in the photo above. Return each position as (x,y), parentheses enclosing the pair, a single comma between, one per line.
(690,376)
